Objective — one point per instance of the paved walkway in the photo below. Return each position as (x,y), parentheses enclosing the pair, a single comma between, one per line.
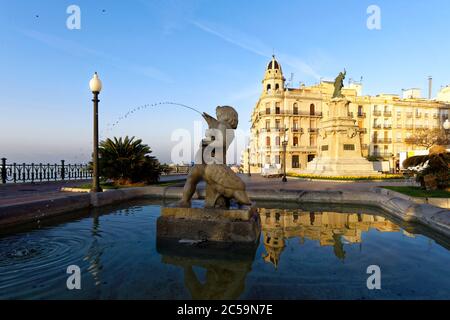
(27,192)
(258,182)
(12,193)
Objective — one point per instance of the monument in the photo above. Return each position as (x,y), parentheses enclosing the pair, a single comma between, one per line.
(226,214)
(339,143)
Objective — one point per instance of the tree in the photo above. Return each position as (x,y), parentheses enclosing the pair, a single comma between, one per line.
(432,170)
(428,138)
(127,161)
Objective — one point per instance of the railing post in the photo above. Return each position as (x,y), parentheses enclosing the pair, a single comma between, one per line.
(14,172)
(3,171)
(63,170)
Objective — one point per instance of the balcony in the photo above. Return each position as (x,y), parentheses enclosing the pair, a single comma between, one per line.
(303,148)
(363,130)
(362,115)
(297,130)
(382,154)
(382,140)
(313,130)
(376,126)
(387,114)
(376,113)
(387,126)
(418,115)
(290,113)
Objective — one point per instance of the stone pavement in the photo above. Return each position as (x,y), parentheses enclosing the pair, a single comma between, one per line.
(14,193)
(257,182)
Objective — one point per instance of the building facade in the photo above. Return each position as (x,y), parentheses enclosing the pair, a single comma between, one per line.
(293,114)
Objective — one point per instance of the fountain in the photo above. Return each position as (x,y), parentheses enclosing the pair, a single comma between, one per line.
(226,215)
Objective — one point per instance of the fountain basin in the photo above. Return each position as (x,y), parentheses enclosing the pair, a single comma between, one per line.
(234,225)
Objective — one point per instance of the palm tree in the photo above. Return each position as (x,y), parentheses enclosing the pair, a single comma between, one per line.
(127,161)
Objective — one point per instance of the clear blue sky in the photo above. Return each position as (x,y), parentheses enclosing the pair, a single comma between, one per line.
(201,53)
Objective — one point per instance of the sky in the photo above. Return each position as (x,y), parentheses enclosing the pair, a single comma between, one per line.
(201,53)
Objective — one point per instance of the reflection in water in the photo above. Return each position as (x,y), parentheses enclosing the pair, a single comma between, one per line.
(328,228)
(95,252)
(121,258)
(226,268)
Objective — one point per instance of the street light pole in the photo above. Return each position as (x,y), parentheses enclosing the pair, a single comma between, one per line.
(446,129)
(96,86)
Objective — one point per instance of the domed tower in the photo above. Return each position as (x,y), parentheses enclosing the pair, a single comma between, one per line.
(273,78)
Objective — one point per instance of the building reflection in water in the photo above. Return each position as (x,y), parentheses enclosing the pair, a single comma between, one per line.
(328,228)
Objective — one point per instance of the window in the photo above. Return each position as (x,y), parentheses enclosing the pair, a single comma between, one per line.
(277,159)
(277,141)
(311,157)
(295,109)
(268,124)
(277,108)
(312,140)
(277,124)
(269,87)
(295,141)
(268,141)
(312,109)
(277,87)
(360,111)
(267,108)
(295,162)
(349,147)
(267,159)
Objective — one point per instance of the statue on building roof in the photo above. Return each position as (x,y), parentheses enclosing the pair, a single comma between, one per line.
(339,84)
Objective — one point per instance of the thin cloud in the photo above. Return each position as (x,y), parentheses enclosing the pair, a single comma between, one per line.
(256,46)
(76,49)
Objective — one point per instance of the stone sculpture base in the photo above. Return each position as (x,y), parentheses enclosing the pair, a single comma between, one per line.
(341,167)
(212,225)
(339,145)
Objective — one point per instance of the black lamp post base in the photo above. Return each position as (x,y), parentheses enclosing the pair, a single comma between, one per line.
(284,179)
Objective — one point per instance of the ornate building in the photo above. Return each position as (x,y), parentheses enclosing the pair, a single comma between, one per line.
(385,120)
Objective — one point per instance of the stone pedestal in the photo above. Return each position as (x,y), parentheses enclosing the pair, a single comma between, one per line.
(212,225)
(339,145)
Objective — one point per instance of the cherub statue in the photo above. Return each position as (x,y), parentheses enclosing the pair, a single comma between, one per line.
(222,183)
(339,84)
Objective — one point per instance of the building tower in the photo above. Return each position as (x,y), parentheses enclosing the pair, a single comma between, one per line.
(273,78)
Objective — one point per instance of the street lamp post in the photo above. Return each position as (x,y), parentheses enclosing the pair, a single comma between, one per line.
(446,128)
(96,86)
(285,143)
(248,152)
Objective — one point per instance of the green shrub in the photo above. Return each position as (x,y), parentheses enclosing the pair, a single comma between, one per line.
(127,161)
